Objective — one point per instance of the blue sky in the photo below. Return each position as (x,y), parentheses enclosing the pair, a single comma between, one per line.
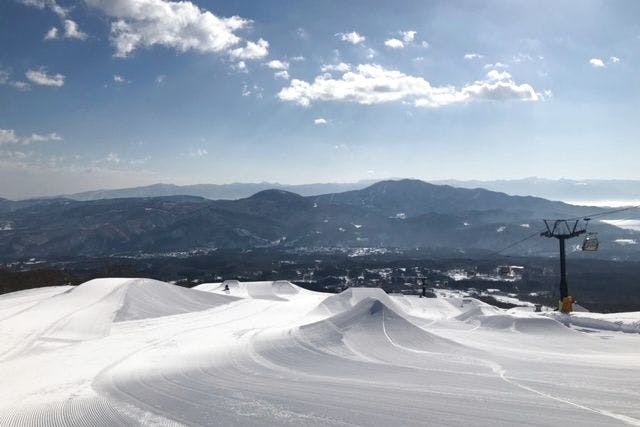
(114,93)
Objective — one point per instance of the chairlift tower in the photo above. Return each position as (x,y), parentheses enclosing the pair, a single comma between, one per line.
(563,229)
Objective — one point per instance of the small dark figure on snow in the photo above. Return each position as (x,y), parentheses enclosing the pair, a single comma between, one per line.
(226,288)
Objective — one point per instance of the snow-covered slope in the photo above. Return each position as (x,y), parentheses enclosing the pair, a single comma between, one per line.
(138,351)
(278,290)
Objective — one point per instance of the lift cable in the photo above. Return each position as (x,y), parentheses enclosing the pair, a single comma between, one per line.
(531,236)
(537,233)
(605,213)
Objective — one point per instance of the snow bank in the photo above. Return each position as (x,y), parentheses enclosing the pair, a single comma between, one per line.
(622,322)
(534,325)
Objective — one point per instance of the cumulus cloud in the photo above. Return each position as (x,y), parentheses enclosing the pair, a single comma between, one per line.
(278,65)
(614,59)
(320,121)
(251,50)
(284,74)
(408,36)
(71,31)
(373,84)
(52,34)
(9,136)
(48,4)
(473,55)
(597,63)
(352,37)
(160,79)
(182,26)
(42,78)
(394,44)
(117,78)
(70,27)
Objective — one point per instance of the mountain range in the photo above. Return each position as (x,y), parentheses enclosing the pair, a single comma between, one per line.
(584,192)
(399,214)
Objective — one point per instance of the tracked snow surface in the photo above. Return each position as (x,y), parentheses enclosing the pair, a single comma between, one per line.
(138,351)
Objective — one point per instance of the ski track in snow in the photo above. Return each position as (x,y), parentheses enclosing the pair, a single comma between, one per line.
(135,351)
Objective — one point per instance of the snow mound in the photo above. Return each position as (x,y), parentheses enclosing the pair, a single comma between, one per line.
(537,325)
(279,290)
(371,325)
(349,298)
(146,298)
(621,322)
(88,310)
(477,309)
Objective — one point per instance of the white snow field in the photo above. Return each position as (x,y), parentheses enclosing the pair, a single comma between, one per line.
(142,352)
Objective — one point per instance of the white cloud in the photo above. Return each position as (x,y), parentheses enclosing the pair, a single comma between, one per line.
(20,85)
(240,66)
(5,79)
(496,65)
(117,78)
(522,57)
(52,34)
(614,59)
(9,136)
(473,56)
(252,50)
(254,90)
(298,58)
(408,36)
(342,67)
(71,30)
(352,37)
(50,4)
(160,79)
(394,44)
(42,138)
(372,84)
(424,44)
(320,121)
(371,53)
(284,74)
(597,63)
(278,65)
(40,77)
(180,25)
